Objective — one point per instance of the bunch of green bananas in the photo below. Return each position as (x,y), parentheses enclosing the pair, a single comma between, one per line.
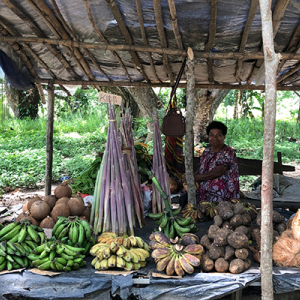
(57,256)
(128,253)
(17,242)
(173,225)
(73,232)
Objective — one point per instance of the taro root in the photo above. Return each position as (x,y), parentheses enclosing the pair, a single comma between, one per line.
(25,207)
(236,221)
(241,253)
(239,209)
(218,220)
(242,229)
(60,210)
(205,241)
(215,252)
(31,201)
(246,219)
(63,200)
(229,252)
(238,240)
(207,264)
(237,266)
(258,218)
(226,224)
(212,231)
(225,210)
(63,190)
(76,207)
(221,237)
(48,222)
(221,265)
(247,264)
(257,237)
(39,210)
(277,217)
(275,236)
(256,253)
(280,227)
(50,200)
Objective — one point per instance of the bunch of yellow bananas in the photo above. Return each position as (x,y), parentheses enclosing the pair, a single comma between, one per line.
(129,253)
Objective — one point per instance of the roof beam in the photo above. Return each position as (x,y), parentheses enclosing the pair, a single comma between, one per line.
(277,17)
(251,15)
(162,37)
(284,78)
(103,39)
(167,84)
(113,5)
(141,21)
(211,37)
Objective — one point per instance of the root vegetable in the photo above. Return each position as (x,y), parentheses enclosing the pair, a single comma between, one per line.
(257,237)
(247,264)
(225,210)
(280,227)
(221,265)
(207,264)
(205,241)
(212,231)
(239,209)
(226,224)
(241,253)
(242,229)
(256,253)
(246,219)
(238,240)
(221,237)
(277,217)
(237,266)
(215,252)
(229,252)
(236,221)
(218,220)
(275,236)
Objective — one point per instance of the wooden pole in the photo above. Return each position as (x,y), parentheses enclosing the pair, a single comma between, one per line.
(49,140)
(189,135)
(271,64)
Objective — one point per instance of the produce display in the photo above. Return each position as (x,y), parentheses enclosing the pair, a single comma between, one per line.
(194,212)
(115,205)
(227,240)
(128,253)
(57,256)
(174,257)
(18,240)
(73,232)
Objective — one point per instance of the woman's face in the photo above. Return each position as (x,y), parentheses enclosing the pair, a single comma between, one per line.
(216,138)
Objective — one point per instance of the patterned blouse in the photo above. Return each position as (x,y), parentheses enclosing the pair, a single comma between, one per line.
(223,188)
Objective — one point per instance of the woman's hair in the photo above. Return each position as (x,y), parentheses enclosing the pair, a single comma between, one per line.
(216,125)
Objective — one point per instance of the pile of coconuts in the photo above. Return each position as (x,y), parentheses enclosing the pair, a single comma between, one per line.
(227,240)
(44,212)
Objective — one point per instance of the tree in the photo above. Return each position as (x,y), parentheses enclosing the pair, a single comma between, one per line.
(23,103)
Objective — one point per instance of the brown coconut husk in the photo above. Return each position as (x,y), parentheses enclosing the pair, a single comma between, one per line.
(296,226)
(24,209)
(285,250)
(63,190)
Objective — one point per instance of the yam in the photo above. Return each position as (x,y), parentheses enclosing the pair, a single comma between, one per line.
(226,224)
(247,264)
(225,210)
(242,229)
(218,220)
(246,219)
(221,265)
(229,252)
(256,253)
(277,217)
(237,266)
(241,253)
(207,264)
(215,252)
(239,209)
(212,231)
(221,237)
(258,218)
(236,221)
(257,237)
(280,227)
(238,240)
(205,241)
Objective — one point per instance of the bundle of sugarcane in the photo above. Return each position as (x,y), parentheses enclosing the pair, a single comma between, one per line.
(131,164)
(159,168)
(112,204)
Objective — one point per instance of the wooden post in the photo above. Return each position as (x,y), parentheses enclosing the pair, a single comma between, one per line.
(189,135)
(271,64)
(49,140)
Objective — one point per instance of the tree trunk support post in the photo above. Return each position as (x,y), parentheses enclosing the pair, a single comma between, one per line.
(189,135)
(49,140)
(271,64)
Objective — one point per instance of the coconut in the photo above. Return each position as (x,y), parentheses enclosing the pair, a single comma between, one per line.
(83,218)
(21,216)
(50,200)
(63,190)
(31,201)
(48,222)
(40,210)
(63,200)
(87,212)
(25,207)
(60,210)
(76,206)
(32,220)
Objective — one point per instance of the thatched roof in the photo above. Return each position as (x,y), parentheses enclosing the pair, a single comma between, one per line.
(143,42)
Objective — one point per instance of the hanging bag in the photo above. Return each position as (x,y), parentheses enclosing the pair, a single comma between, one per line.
(174,122)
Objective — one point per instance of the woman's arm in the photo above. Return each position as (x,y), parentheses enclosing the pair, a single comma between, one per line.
(213,174)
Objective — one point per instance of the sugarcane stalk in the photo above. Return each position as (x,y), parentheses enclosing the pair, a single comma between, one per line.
(113,201)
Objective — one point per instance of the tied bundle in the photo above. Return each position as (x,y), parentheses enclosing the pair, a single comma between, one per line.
(114,199)
(159,169)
